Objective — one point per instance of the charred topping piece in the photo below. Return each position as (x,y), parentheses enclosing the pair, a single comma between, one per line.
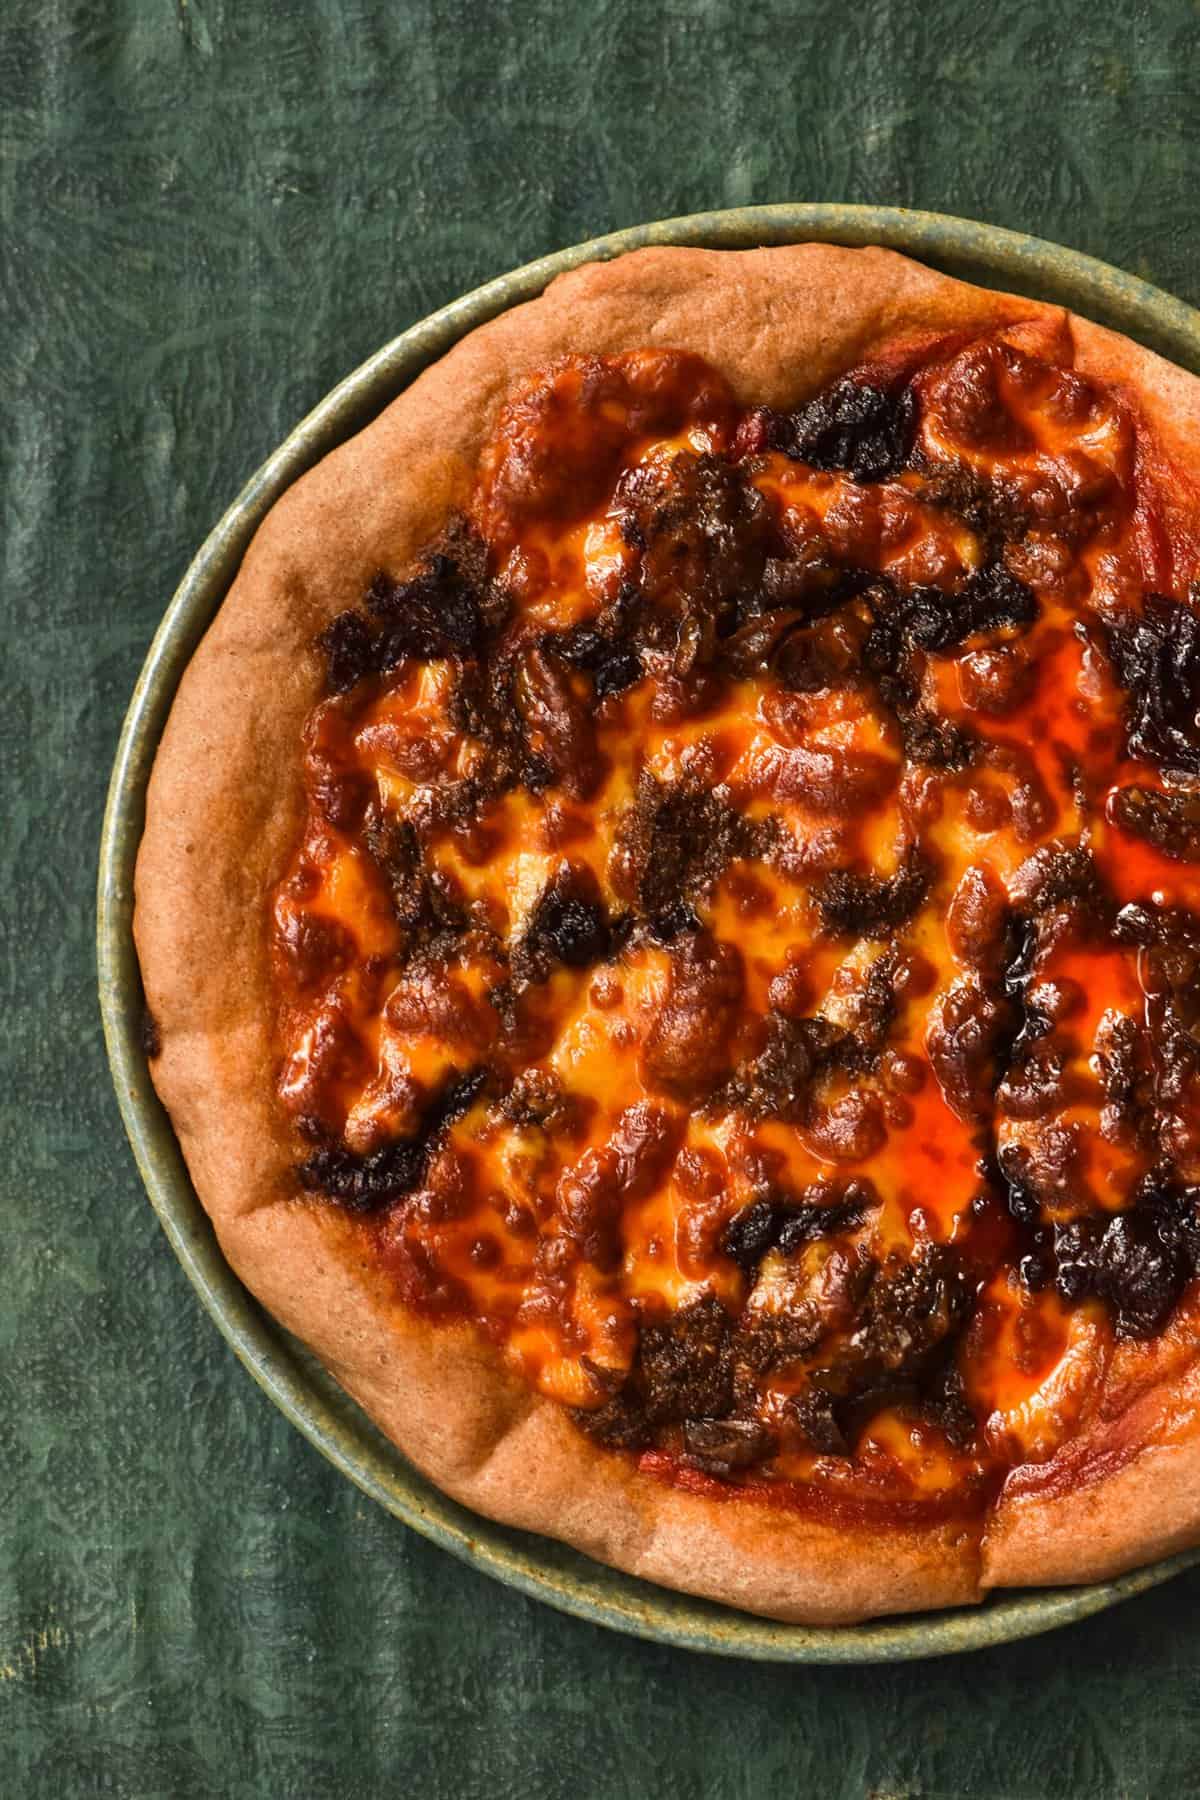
(538,1098)
(569,925)
(872,906)
(1168,820)
(1156,655)
(675,842)
(613,663)
(683,1369)
(1137,1261)
(426,907)
(770,1224)
(990,507)
(556,726)
(701,529)
(931,742)
(934,620)
(696,1369)
(367,1183)
(778,1082)
(447,608)
(853,425)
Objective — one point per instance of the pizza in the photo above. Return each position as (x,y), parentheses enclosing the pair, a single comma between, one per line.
(670,911)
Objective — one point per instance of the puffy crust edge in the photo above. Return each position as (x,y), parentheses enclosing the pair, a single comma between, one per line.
(1126,1489)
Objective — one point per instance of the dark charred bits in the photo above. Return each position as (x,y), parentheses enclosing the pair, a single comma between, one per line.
(557,729)
(705,547)
(367,1183)
(813,1412)
(703,532)
(721,1446)
(1169,969)
(1027,1065)
(612,662)
(1010,1178)
(705,539)
(1121,1057)
(683,1369)
(538,1099)
(676,922)
(988,507)
(778,1082)
(150,1034)
(570,927)
(677,840)
(1143,926)
(946,1405)
(569,924)
(873,906)
(900,1352)
(1170,975)
(456,1096)
(1156,656)
(425,905)
(805,655)
(875,1005)
(1168,820)
(698,1369)
(852,425)
(929,620)
(750,1233)
(968,1026)
(349,649)
(448,608)
(912,1308)
(770,1224)
(684,1365)
(932,742)
(1065,876)
(767,1339)
(1138,1261)
(937,619)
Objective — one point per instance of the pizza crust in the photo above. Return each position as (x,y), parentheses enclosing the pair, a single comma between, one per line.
(1126,1490)
(224,810)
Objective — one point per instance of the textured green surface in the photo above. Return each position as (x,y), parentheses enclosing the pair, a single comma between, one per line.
(208,215)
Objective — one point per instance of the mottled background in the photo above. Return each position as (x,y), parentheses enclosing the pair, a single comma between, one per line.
(209,211)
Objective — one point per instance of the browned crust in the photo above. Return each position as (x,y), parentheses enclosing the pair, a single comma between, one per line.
(224,810)
(1165,400)
(1126,1490)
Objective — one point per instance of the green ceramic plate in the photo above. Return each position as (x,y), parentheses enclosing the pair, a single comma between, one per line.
(293,1379)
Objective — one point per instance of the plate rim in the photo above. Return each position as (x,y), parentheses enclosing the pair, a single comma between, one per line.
(540,1567)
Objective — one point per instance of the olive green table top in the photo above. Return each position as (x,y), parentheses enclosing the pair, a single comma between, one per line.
(209,212)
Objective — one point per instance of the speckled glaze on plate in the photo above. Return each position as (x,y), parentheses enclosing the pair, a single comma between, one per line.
(294,1380)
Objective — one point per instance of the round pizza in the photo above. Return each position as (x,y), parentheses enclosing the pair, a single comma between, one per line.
(670,919)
